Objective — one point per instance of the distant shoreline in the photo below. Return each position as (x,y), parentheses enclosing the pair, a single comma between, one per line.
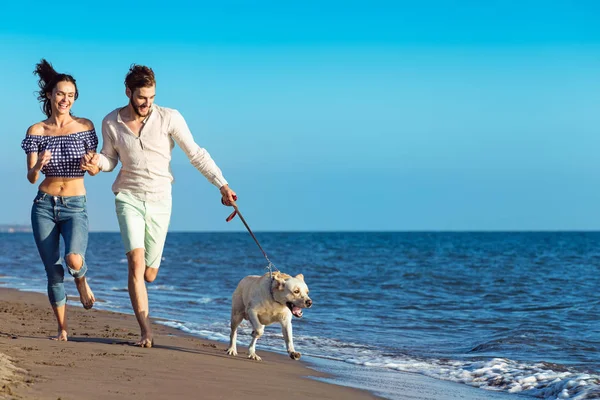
(5,228)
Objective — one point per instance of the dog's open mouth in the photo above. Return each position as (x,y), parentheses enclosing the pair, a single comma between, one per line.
(296,311)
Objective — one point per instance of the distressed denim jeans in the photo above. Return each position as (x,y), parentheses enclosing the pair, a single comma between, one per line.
(51,218)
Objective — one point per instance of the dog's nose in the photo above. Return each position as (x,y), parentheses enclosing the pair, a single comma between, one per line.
(308,303)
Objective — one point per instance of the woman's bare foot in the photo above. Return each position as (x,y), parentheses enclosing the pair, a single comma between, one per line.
(146,341)
(62,336)
(85,293)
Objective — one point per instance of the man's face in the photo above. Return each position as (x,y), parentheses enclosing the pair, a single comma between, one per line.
(141,100)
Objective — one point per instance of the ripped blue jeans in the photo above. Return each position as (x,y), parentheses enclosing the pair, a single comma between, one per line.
(52,217)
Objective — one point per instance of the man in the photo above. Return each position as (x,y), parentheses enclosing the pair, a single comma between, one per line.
(141,135)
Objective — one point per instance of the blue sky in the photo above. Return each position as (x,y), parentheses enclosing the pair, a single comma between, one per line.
(448,115)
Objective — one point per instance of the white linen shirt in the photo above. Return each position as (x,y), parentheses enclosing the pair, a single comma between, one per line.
(146,159)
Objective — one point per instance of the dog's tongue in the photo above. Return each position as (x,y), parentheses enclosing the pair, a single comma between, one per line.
(297,311)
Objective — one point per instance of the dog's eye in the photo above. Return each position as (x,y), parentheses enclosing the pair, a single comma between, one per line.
(297,291)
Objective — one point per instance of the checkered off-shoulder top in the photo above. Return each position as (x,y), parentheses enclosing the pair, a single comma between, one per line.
(66,151)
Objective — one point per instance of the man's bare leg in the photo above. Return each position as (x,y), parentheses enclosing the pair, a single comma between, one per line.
(139,295)
(150,274)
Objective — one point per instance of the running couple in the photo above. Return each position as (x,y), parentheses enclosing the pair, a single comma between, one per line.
(63,147)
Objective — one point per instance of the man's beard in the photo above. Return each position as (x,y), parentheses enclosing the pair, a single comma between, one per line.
(136,109)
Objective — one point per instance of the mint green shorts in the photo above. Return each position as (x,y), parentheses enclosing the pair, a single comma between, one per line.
(144,224)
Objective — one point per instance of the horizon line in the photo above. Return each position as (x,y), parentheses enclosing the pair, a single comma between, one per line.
(378,231)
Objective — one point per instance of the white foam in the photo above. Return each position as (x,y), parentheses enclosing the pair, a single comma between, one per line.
(207,334)
(497,374)
(203,300)
(162,287)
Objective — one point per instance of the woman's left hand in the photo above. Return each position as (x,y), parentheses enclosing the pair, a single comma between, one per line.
(89,163)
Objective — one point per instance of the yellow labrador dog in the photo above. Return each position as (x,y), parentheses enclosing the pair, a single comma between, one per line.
(263,300)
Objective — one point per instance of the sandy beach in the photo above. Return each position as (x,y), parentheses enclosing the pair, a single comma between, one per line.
(99,361)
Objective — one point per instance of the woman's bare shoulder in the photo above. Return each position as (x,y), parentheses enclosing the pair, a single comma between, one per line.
(85,123)
(37,129)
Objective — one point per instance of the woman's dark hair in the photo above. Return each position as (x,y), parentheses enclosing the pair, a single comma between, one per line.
(49,78)
(139,76)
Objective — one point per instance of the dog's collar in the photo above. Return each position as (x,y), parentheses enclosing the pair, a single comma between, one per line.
(271,291)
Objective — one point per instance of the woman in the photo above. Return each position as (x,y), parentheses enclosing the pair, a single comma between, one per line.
(55,147)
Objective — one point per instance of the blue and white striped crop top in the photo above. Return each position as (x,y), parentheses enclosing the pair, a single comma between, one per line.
(66,150)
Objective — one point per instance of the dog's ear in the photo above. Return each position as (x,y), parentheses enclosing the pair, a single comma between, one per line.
(300,276)
(279,281)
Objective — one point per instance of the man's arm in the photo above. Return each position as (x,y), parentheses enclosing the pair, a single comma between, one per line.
(199,157)
(108,157)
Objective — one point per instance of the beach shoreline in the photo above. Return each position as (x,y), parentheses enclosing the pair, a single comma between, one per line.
(99,362)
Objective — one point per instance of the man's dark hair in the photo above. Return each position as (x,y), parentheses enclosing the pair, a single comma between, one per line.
(139,76)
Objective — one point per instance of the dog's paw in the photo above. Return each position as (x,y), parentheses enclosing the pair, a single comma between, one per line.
(294,355)
(232,352)
(254,357)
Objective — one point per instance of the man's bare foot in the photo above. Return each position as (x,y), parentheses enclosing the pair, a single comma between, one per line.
(146,341)
(61,337)
(85,293)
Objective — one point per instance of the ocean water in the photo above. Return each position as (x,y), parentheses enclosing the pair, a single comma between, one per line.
(512,313)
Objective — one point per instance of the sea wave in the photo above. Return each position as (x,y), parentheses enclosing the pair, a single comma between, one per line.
(537,380)
(540,380)
(169,288)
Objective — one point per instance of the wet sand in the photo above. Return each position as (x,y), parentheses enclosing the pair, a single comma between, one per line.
(99,361)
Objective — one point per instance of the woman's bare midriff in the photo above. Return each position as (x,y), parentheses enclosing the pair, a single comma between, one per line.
(57,186)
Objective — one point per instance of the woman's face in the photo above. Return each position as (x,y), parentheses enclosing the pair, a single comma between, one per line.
(62,97)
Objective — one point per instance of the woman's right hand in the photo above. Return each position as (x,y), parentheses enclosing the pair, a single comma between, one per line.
(43,159)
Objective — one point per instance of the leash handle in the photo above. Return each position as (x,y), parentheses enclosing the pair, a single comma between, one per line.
(235,212)
(231,216)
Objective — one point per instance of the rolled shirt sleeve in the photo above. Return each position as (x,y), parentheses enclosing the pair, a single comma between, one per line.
(199,157)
